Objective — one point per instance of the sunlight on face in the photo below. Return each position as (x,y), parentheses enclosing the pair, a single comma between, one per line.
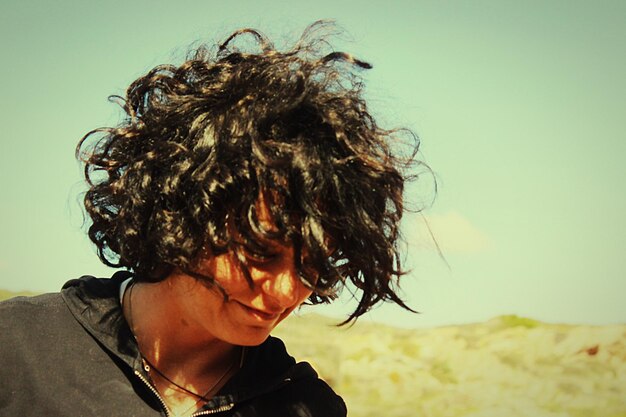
(250,312)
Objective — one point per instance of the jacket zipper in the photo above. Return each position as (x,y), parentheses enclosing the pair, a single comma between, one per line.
(167,410)
(214,410)
(156,393)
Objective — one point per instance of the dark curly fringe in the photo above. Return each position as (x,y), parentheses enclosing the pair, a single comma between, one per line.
(200,141)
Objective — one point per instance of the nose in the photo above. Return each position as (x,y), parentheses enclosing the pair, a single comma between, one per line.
(283,288)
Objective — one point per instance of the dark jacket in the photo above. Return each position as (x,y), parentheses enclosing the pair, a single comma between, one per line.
(72,354)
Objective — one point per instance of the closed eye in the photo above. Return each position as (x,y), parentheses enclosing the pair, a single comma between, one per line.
(259,257)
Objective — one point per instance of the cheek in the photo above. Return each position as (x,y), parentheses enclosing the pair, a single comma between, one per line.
(305,293)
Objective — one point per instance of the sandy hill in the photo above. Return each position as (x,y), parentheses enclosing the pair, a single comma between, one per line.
(506,367)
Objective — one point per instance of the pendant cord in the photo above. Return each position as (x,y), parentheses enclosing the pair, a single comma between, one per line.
(147,366)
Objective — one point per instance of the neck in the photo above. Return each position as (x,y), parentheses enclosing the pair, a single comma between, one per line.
(174,345)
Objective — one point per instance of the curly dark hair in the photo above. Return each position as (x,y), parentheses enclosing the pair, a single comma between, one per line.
(183,171)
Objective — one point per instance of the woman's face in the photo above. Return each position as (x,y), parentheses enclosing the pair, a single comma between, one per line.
(249,314)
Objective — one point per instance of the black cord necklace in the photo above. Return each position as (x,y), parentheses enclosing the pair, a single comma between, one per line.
(148,366)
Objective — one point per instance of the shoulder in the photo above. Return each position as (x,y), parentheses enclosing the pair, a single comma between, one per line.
(28,312)
(31,326)
(32,330)
(21,303)
(50,361)
(282,387)
(309,396)
(31,322)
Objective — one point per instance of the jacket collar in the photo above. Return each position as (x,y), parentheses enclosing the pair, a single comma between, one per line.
(95,304)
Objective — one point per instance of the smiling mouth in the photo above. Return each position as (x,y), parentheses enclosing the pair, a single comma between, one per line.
(259,314)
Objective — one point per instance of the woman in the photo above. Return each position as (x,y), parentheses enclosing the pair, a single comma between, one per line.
(239,185)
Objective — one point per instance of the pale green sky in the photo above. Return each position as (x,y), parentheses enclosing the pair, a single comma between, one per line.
(520,107)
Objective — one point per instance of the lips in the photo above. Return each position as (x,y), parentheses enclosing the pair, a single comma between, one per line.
(260,314)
